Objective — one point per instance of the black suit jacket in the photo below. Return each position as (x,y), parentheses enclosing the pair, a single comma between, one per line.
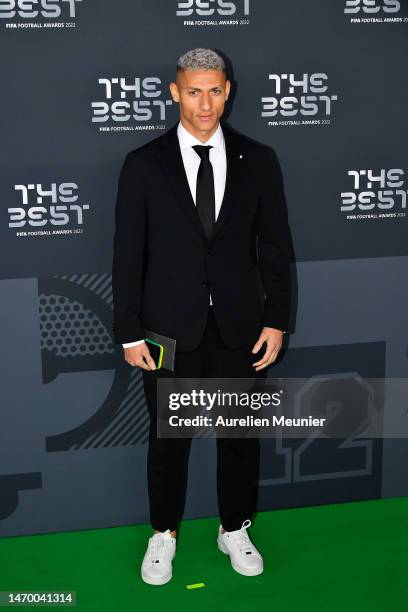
(164,266)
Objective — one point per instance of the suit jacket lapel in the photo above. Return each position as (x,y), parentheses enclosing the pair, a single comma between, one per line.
(172,163)
(233,177)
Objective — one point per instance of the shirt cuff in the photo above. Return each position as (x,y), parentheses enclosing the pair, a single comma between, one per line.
(129,344)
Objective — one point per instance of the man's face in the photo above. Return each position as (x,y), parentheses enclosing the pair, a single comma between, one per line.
(201,95)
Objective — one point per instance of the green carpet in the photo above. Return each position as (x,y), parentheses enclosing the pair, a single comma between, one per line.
(351,557)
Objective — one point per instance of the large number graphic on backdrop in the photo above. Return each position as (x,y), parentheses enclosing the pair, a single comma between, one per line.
(318,467)
(76,336)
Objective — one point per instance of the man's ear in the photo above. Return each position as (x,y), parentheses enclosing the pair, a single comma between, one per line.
(227,88)
(174,92)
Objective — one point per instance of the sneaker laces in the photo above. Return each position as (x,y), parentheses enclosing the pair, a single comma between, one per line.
(241,538)
(158,545)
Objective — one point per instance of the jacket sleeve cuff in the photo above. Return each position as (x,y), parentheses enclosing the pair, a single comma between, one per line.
(126,331)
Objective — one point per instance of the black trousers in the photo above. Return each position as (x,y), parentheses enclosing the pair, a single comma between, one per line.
(237,458)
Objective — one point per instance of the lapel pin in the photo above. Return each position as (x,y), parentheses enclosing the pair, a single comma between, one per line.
(240,157)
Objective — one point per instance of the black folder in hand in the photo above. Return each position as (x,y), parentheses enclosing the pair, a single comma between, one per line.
(169,348)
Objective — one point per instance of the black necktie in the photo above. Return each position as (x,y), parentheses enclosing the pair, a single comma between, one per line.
(205,195)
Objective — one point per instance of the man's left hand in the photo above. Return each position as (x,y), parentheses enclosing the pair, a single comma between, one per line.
(273,338)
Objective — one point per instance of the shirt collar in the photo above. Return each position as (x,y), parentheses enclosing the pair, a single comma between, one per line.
(186,139)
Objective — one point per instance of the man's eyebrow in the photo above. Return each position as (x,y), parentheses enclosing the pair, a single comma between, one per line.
(198,88)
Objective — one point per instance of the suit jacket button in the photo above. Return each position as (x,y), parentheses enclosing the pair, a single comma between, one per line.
(209,250)
(205,284)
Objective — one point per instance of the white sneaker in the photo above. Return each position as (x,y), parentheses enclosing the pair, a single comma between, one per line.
(156,565)
(245,558)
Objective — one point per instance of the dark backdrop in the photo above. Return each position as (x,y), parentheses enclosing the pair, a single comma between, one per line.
(83,82)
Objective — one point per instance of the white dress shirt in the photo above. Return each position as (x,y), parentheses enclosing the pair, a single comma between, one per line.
(191,161)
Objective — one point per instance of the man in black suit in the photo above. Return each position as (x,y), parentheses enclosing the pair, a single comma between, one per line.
(202,255)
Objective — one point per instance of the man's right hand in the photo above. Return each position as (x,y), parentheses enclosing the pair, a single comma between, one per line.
(139,356)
